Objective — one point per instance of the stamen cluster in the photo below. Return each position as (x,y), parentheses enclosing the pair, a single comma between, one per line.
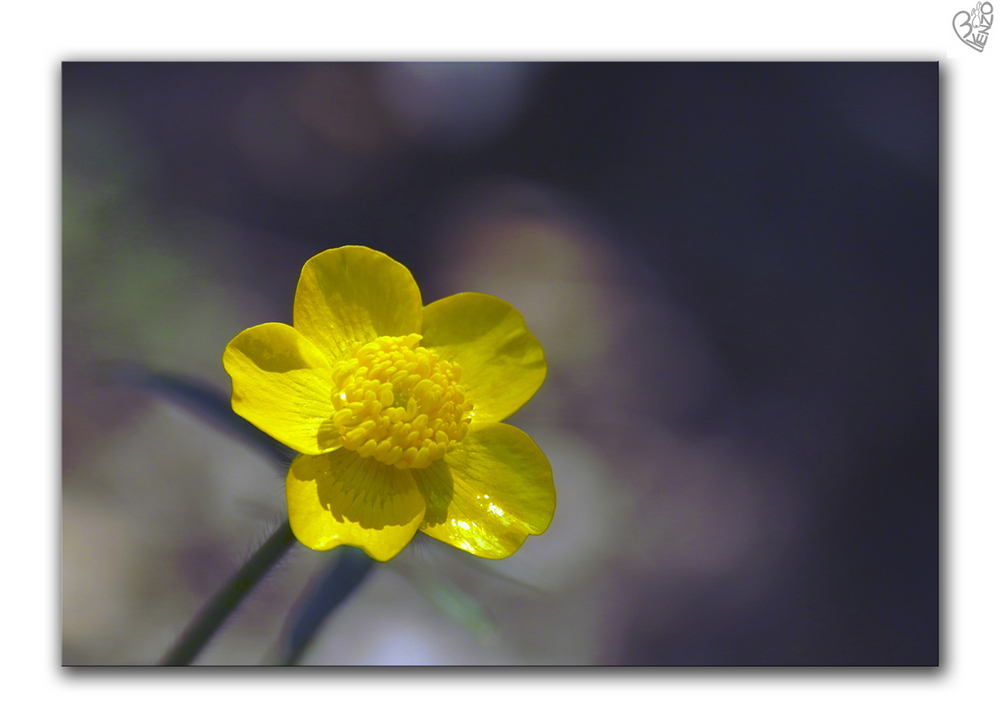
(399,402)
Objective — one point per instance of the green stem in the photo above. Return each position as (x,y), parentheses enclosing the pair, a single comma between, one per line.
(225,602)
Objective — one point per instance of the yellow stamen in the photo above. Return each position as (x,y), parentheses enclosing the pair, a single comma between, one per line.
(399,402)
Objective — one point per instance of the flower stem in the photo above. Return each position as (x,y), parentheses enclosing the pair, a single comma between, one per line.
(225,602)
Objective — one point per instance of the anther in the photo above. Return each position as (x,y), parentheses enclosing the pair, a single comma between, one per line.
(399,403)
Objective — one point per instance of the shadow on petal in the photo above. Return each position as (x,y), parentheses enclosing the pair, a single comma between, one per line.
(341,498)
(359,490)
(438,488)
(328,436)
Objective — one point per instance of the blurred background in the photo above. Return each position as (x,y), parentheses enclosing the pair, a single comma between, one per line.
(733,269)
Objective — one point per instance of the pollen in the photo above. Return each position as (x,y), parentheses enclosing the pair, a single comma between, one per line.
(399,402)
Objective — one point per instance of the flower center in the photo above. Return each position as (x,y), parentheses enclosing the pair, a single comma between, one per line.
(399,402)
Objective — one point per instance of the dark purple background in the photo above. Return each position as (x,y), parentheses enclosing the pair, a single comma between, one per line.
(791,209)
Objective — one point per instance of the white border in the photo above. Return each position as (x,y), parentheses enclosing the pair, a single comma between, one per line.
(43,34)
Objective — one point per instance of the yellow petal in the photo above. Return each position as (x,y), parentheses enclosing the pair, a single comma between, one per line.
(352,295)
(282,384)
(342,498)
(502,363)
(490,494)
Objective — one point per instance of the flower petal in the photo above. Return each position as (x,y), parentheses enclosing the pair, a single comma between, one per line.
(282,384)
(502,363)
(342,498)
(490,494)
(352,295)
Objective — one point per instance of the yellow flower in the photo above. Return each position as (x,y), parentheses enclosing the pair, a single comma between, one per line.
(396,408)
